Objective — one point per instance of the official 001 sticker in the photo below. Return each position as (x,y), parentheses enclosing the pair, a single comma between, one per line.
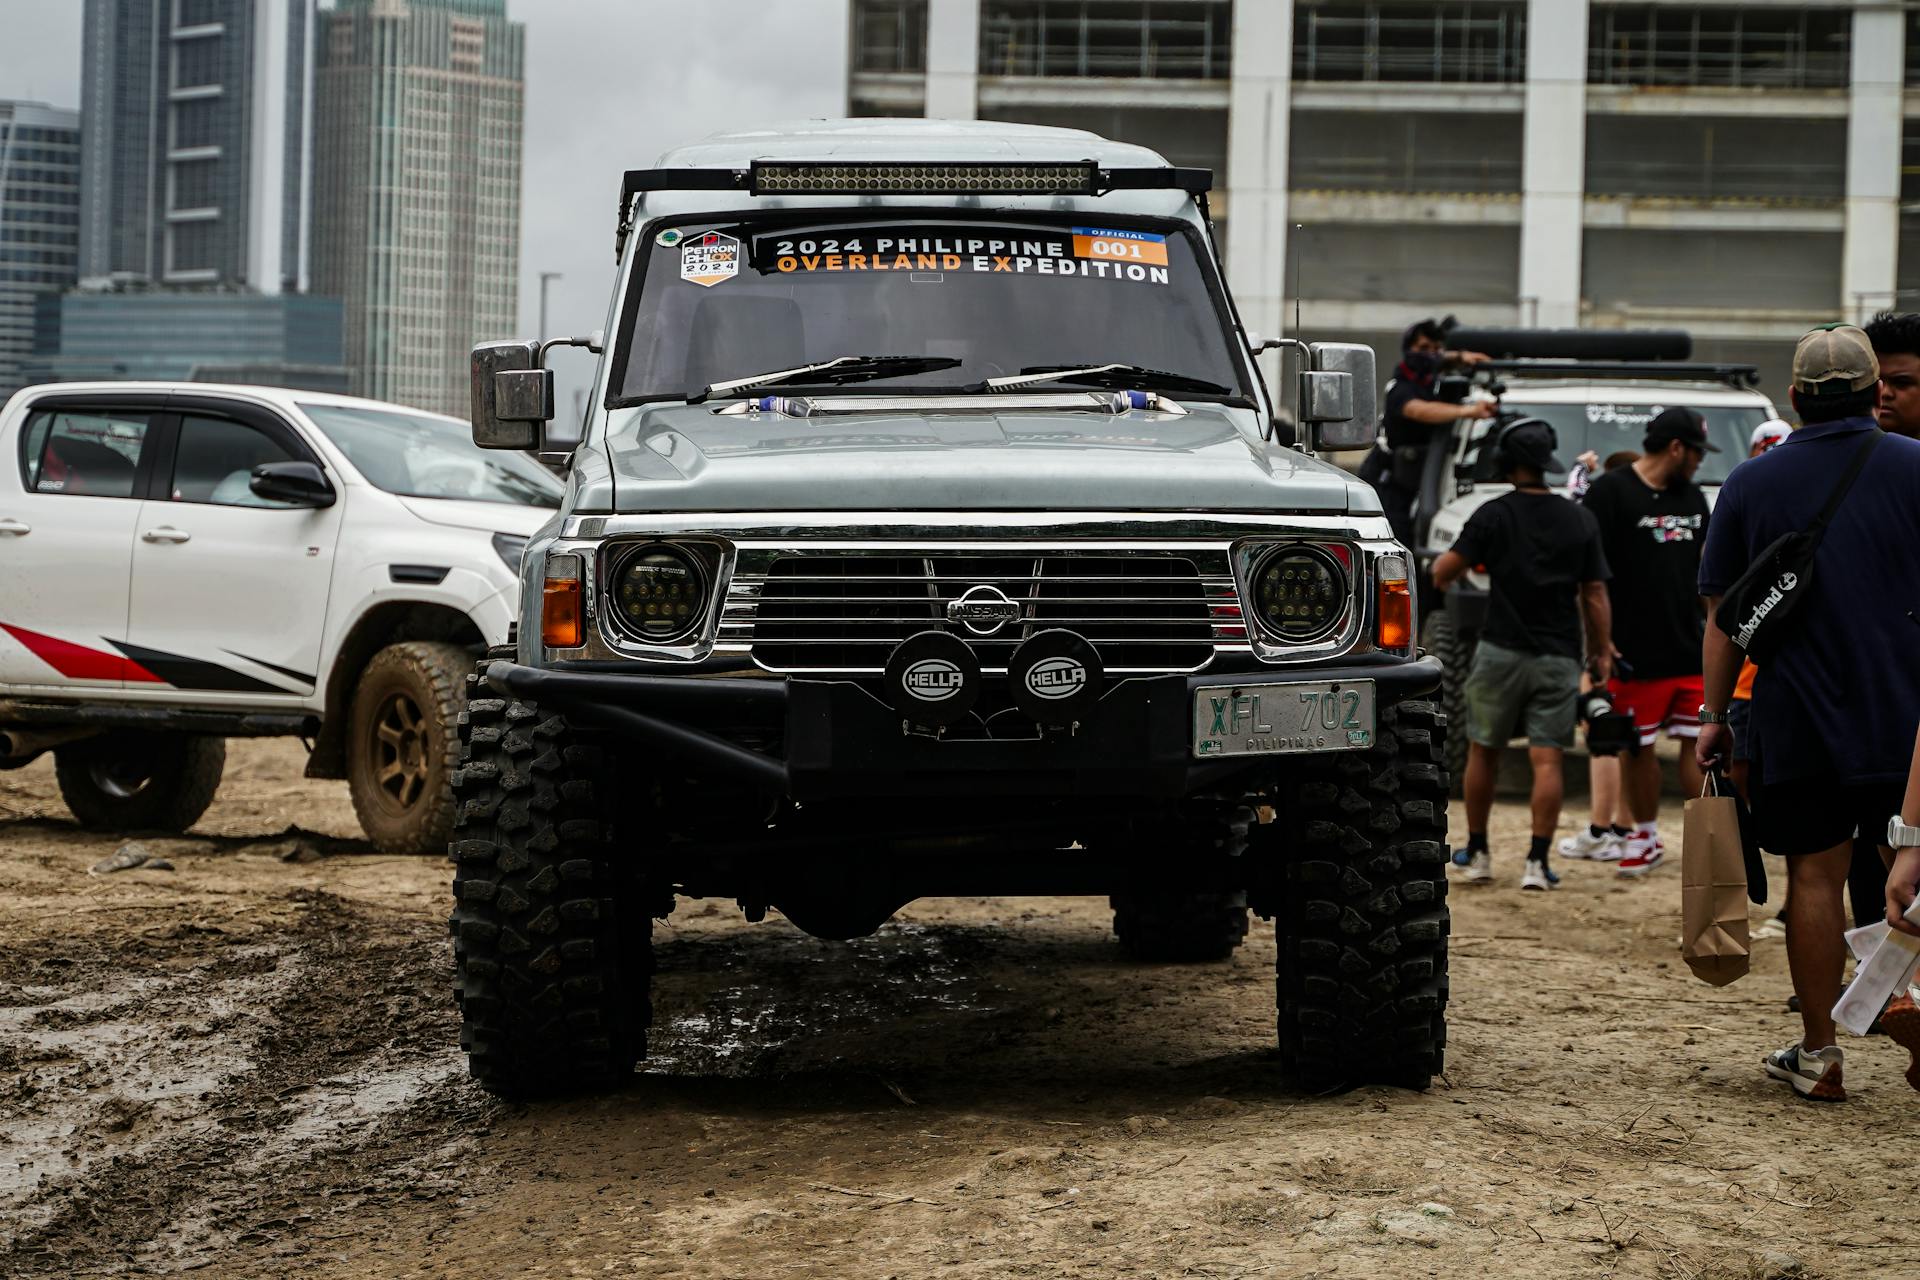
(709,258)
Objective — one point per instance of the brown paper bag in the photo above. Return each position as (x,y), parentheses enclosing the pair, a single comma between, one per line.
(1713,889)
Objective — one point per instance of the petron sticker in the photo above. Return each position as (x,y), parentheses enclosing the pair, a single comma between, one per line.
(1121,256)
(709,258)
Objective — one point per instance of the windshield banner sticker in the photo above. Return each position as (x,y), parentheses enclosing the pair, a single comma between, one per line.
(1120,246)
(1142,261)
(709,258)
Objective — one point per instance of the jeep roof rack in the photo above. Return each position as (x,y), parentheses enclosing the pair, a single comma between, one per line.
(1573,344)
(1739,376)
(908,177)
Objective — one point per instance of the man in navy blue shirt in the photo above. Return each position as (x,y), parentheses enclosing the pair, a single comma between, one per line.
(1834,711)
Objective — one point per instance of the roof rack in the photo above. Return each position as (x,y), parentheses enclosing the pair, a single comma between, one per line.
(1734,375)
(906,177)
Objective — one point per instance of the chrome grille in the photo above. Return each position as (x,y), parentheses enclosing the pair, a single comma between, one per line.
(1144,611)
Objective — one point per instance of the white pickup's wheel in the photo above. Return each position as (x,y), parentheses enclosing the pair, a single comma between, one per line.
(402,737)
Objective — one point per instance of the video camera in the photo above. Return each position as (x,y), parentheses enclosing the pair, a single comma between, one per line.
(1609,732)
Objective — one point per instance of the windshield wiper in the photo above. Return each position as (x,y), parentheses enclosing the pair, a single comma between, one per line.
(832,373)
(1120,377)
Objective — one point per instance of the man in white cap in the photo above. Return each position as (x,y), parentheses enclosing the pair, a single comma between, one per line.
(1768,434)
(1836,705)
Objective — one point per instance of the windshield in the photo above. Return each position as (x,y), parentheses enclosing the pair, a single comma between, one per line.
(721,301)
(1608,428)
(421,457)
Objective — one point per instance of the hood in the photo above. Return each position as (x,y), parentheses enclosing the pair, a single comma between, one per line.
(484,517)
(678,457)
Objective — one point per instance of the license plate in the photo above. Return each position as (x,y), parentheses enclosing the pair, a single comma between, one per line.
(1283,719)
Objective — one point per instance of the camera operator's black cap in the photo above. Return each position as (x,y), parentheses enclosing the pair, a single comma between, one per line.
(1531,442)
(1678,424)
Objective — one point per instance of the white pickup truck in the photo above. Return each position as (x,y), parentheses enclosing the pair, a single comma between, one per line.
(184,563)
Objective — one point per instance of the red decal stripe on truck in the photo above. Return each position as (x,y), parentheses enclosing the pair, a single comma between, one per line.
(76,662)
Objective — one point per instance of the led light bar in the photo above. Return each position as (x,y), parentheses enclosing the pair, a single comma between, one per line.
(957,179)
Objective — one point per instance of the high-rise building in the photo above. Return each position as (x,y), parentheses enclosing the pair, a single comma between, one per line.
(1733,169)
(39,221)
(195,141)
(418,113)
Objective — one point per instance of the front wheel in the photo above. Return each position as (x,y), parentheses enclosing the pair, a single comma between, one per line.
(1361,987)
(1454,648)
(401,744)
(134,781)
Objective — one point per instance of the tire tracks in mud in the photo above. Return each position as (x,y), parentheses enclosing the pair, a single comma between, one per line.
(237,1085)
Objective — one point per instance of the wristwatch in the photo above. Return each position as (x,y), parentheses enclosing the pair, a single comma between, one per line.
(1900,835)
(1711,717)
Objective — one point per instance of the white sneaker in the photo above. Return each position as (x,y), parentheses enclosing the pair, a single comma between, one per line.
(1815,1074)
(1583,845)
(1537,876)
(1479,869)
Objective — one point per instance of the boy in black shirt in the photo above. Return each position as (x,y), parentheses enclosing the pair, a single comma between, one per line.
(1653,523)
(1543,556)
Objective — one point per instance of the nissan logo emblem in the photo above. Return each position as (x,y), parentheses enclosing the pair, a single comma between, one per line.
(983,610)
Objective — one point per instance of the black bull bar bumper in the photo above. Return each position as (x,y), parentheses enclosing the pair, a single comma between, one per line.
(842,740)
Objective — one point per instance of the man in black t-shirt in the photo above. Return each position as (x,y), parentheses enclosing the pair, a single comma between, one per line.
(1548,573)
(1653,523)
(1411,419)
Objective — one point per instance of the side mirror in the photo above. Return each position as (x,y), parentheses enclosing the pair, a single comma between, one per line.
(300,484)
(1338,397)
(512,395)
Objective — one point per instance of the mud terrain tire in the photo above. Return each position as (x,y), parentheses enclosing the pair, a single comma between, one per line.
(402,742)
(1444,641)
(552,949)
(1362,958)
(1179,928)
(133,781)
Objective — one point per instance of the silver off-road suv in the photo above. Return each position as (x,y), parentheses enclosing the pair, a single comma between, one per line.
(933,532)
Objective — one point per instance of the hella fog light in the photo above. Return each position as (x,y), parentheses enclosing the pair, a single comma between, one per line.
(659,593)
(1299,593)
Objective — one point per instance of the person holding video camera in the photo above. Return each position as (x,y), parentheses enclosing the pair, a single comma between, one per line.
(1413,418)
(1548,576)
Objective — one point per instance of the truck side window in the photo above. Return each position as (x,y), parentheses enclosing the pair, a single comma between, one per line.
(215,459)
(91,453)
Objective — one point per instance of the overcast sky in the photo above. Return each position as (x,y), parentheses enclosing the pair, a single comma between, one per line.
(610,85)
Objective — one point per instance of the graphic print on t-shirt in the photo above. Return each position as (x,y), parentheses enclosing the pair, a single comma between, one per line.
(1673,528)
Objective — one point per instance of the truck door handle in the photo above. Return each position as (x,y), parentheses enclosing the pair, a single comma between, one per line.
(165,533)
(15,528)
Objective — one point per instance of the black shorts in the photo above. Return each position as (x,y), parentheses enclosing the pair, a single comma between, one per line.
(1807,815)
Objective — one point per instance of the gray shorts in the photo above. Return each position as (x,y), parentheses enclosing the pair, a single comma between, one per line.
(1510,693)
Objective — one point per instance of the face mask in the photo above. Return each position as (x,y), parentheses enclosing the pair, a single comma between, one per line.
(1422,364)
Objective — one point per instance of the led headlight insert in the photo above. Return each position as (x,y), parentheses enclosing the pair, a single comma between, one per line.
(658,592)
(1299,593)
(922,179)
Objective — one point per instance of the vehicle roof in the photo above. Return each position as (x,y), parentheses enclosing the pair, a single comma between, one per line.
(284,398)
(890,138)
(907,141)
(1661,391)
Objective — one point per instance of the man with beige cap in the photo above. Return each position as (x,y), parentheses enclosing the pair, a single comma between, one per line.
(1836,706)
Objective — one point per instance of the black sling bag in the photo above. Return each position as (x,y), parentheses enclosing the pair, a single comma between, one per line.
(1759,611)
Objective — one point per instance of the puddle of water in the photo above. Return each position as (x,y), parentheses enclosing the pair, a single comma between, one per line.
(805,1000)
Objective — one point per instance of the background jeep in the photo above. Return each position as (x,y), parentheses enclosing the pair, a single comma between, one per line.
(1004,574)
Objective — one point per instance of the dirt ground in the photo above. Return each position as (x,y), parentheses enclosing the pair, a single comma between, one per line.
(246,1066)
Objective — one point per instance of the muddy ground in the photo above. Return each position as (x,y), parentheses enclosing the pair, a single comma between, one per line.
(245,1066)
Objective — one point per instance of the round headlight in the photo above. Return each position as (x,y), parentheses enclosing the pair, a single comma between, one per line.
(1299,594)
(660,593)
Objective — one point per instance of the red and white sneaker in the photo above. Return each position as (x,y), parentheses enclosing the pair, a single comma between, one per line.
(1644,853)
(1901,1022)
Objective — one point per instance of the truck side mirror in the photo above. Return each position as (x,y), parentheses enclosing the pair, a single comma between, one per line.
(1338,398)
(299,484)
(512,395)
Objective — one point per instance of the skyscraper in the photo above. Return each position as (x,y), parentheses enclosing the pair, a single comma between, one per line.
(195,128)
(39,220)
(418,113)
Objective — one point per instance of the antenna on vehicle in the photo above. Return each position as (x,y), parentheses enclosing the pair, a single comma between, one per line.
(1297,283)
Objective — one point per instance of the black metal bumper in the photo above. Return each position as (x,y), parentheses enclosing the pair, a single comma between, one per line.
(842,739)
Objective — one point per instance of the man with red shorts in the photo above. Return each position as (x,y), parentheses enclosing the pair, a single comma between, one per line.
(1653,523)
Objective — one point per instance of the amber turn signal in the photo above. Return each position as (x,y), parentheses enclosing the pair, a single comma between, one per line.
(560,612)
(1395,629)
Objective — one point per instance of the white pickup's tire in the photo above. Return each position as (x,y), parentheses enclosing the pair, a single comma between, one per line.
(138,781)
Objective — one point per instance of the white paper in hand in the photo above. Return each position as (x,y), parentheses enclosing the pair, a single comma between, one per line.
(1888,963)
